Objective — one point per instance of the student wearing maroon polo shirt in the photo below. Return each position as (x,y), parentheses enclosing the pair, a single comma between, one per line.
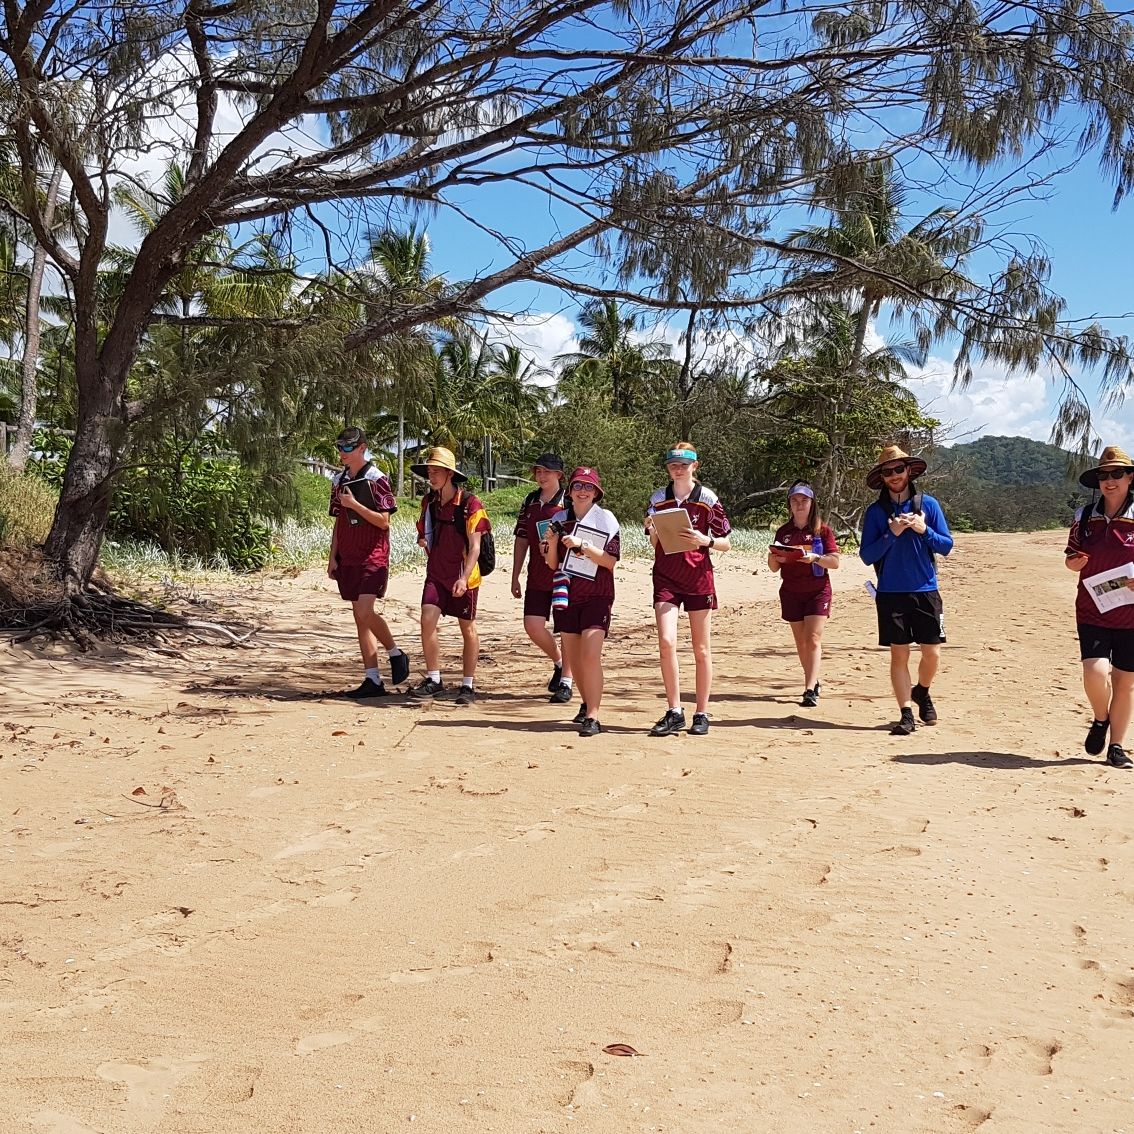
(359,561)
(805,585)
(685,579)
(1102,539)
(541,506)
(584,531)
(452,577)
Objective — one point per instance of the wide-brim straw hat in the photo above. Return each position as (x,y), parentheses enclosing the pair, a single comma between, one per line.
(888,455)
(440,458)
(590,476)
(1113,457)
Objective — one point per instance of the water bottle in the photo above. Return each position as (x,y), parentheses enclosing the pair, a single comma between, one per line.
(817,549)
(559,590)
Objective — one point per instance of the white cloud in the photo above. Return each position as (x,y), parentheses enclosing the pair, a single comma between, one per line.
(540,336)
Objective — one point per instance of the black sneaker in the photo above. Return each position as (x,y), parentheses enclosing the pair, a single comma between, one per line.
(810,698)
(467,695)
(905,726)
(555,679)
(399,668)
(561,695)
(590,727)
(1096,737)
(580,716)
(428,688)
(919,694)
(1116,757)
(673,721)
(369,688)
(700,725)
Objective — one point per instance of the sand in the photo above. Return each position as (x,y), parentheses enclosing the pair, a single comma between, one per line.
(358,919)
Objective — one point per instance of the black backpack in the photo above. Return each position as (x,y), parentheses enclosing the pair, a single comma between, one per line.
(486,561)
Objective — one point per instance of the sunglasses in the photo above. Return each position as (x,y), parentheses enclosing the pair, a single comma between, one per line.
(1114,474)
(894,470)
(346,448)
(583,486)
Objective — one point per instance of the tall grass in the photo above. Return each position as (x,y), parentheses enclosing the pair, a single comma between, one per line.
(27,506)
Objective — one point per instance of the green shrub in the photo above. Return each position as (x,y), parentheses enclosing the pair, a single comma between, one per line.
(27,506)
(314,492)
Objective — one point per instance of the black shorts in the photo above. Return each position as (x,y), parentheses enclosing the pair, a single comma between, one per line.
(905,617)
(1101,642)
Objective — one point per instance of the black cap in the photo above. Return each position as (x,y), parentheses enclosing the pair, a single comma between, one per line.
(548,461)
(352,435)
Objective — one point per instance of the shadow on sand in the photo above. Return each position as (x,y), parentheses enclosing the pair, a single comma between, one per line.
(1003,761)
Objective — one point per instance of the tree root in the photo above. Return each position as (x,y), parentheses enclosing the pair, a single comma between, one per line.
(102,616)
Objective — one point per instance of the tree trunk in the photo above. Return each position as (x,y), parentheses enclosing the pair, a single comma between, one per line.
(29,386)
(401,486)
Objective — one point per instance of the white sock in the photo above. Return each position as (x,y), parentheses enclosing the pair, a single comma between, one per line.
(676,709)
(374,675)
(434,675)
(394,652)
(467,682)
(568,681)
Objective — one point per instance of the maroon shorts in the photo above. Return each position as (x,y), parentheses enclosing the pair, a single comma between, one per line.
(433,594)
(796,607)
(537,603)
(585,615)
(354,582)
(679,598)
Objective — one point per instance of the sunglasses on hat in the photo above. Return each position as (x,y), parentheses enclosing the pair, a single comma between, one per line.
(1113,474)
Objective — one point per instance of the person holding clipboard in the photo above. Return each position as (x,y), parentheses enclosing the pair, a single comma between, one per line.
(803,552)
(362,503)
(1101,542)
(582,547)
(685,522)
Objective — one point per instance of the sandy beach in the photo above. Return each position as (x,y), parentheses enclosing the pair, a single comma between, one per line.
(367,919)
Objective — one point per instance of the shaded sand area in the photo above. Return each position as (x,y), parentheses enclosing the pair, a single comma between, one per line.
(358,919)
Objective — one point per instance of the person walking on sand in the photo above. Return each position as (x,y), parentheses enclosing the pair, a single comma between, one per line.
(583,548)
(1102,543)
(805,581)
(902,533)
(536,514)
(684,578)
(362,503)
(449,529)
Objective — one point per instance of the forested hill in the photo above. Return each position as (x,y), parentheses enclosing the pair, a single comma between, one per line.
(1016,461)
(1008,484)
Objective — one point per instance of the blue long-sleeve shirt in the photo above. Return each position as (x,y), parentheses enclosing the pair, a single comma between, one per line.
(905,562)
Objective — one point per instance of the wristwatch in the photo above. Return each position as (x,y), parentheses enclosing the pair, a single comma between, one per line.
(711,544)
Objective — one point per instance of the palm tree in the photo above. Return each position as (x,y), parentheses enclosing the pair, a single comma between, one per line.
(398,273)
(609,360)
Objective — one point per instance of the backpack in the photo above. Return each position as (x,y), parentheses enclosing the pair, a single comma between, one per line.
(486,561)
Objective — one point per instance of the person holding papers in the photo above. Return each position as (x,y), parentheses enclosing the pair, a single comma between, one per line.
(1100,549)
(362,503)
(582,547)
(685,522)
(804,551)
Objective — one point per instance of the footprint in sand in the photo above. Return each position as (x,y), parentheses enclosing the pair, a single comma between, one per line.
(309,845)
(55,1123)
(580,1088)
(308,1045)
(148,1087)
(231,1086)
(481,850)
(337,898)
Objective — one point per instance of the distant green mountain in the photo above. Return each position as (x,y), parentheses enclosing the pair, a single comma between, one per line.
(1007,484)
(1016,461)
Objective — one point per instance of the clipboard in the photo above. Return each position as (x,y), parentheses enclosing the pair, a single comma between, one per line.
(577,564)
(789,551)
(669,524)
(363,492)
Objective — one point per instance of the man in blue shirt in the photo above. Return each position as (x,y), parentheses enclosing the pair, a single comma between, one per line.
(902,533)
